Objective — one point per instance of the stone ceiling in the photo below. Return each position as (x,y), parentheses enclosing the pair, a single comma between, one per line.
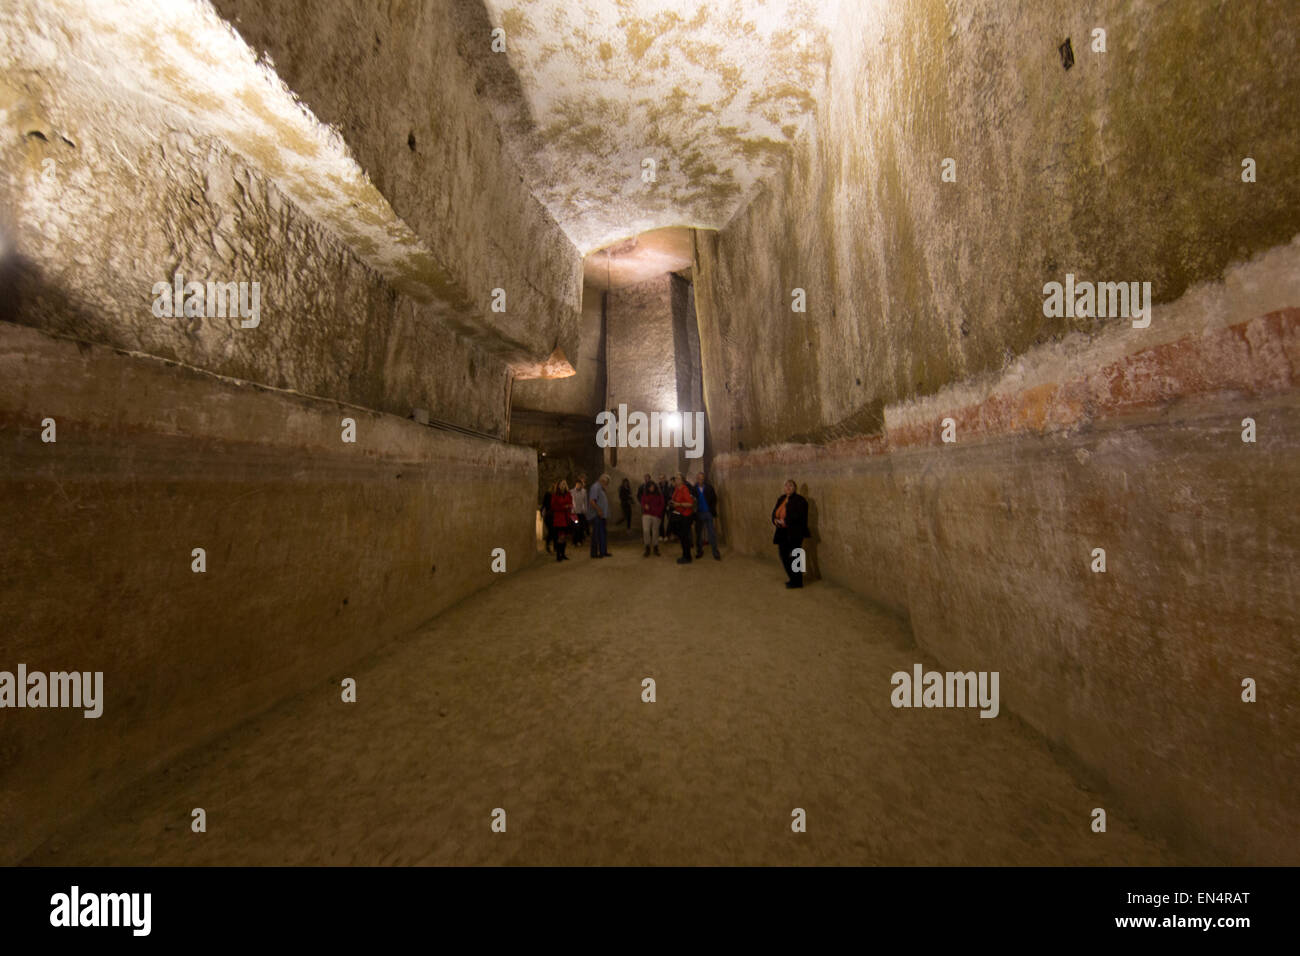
(639,259)
(712,93)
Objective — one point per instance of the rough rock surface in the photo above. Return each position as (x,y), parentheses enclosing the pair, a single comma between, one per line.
(411,87)
(1123,168)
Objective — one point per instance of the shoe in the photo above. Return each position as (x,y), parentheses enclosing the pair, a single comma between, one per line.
(683,560)
(647,552)
(791,584)
(699,554)
(716,556)
(656,550)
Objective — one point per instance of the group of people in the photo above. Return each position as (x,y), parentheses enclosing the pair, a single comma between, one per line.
(576,512)
(676,507)
(669,507)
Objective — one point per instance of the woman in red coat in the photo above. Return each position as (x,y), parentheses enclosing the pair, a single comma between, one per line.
(652,513)
(561,515)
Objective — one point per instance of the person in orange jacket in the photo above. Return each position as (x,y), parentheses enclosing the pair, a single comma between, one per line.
(683,505)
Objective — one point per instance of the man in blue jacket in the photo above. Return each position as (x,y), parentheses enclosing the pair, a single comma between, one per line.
(705,511)
(597,513)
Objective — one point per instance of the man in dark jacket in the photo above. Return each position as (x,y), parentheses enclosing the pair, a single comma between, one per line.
(665,489)
(790,519)
(706,513)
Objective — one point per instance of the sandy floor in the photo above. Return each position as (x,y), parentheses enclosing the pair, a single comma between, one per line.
(518,698)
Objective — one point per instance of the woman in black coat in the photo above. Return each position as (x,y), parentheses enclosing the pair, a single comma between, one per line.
(790,519)
(548,533)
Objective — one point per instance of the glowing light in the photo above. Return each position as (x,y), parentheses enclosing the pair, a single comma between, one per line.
(675,420)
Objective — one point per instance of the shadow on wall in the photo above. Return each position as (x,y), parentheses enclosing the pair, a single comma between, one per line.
(813,573)
(24,291)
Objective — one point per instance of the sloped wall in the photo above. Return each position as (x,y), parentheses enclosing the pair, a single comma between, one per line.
(925,302)
(1126,167)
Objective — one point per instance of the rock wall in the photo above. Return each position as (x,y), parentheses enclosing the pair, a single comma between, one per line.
(1126,167)
(642,367)
(925,302)
(986,545)
(413,87)
(317,553)
(582,393)
(223,431)
(91,228)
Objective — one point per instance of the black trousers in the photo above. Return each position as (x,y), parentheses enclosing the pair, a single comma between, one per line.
(684,533)
(787,562)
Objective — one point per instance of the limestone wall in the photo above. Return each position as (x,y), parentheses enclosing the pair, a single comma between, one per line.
(90,228)
(642,369)
(412,88)
(186,431)
(925,302)
(582,393)
(317,553)
(1125,167)
(986,545)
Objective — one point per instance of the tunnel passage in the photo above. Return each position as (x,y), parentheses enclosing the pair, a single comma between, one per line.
(301,315)
(757,711)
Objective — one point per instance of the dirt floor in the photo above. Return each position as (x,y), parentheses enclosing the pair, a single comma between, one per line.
(527,697)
